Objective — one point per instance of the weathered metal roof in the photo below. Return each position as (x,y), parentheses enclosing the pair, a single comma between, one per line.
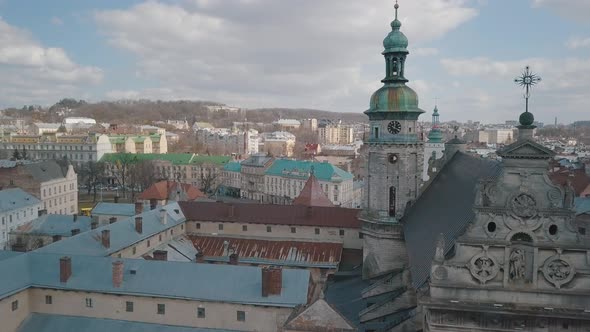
(51,323)
(271,214)
(122,234)
(446,207)
(168,190)
(301,169)
(179,280)
(16,198)
(582,205)
(114,209)
(55,224)
(44,171)
(286,252)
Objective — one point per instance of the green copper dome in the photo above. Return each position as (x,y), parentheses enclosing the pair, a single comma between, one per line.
(395,41)
(526,119)
(435,136)
(394,98)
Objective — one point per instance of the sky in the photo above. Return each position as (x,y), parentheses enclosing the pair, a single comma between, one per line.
(320,54)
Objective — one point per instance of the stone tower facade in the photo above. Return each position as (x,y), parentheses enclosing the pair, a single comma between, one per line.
(395,160)
(523,264)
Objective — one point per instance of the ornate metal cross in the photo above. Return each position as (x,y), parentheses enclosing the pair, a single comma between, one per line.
(527,79)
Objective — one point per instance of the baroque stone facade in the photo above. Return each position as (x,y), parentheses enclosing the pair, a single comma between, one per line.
(522,263)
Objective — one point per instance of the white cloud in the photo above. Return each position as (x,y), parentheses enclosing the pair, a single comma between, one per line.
(56,21)
(578,42)
(562,91)
(570,9)
(426,51)
(269,52)
(32,73)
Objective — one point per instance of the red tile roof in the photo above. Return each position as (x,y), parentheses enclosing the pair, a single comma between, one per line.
(295,251)
(271,214)
(165,190)
(312,194)
(578,178)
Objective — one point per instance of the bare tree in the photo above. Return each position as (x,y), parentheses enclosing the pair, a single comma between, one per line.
(122,169)
(208,180)
(141,176)
(92,174)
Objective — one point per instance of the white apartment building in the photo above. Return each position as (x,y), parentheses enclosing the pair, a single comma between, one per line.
(278,143)
(17,207)
(337,134)
(496,136)
(77,149)
(45,180)
(310,124)
(241,142)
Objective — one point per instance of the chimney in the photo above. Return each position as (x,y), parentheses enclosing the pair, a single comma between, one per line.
(41,212)
(153,204)
(75,217)
(139,224)
(233,259)
(112,220)
(163,216)
(75,231)
(65,269)
(106,238)
(272,280)
(94,224)
(138,208)
(200,257)
(225,248)
(56,238)
(117,199)
(160,255)
(117,274)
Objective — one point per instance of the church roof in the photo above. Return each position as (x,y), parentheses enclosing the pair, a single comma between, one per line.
(312,194)
(319,316)
(446,207)
(168,190)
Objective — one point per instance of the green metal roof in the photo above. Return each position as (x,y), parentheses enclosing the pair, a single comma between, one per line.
(435,136)
(174,158)
(233,167)
(300,169)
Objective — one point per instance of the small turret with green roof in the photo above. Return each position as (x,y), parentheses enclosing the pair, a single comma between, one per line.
(395,96)
(435,135)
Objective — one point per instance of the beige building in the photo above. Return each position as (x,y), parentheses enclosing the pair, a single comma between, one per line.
(77,149)
(278,144)
(310,124)
(496,136)
(74,284)
(153,143)
(45,180)
(337,134)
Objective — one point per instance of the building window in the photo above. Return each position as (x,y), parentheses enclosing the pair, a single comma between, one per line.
(14,305)
(160,237)
(198,225)
(268,229)
(244,228)
(317,231)
(88,302)
(129,306)
(134,250)
(201,312)
(161,309)
(148,243)
(293,230)
(341,232)
(48,299)
(360,235)
(220,227)
(241,316)
(171,232)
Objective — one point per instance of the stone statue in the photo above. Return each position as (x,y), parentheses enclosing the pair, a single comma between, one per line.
(517,264)
(439,255)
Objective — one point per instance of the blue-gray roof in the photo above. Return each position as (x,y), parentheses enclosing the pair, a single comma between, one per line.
(123,234)
(56,224)
(114,209)
(446,207)
(582,205)
(300,169)
(5,254)
(16,198)
(54,323)
(44,171)
(177,280)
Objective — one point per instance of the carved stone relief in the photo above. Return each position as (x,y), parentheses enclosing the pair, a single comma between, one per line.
(558,271)
(524,205)
(484,267)
(554,197)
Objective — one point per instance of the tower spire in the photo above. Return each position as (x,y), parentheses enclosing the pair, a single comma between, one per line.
(396,7)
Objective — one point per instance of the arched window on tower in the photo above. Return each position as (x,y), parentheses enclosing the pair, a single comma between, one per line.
(395,67)
(392,201)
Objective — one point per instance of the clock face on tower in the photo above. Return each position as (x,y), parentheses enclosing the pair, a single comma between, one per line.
(394,127)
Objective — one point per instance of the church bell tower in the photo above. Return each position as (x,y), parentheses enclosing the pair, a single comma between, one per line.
(395,159)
